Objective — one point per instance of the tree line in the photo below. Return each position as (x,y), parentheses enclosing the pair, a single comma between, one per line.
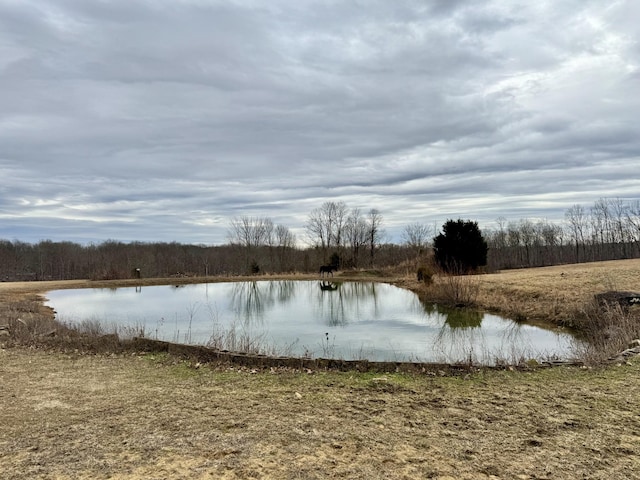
(609,230)
(337,235)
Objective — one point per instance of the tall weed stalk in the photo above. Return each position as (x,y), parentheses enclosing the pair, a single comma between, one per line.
(456,289)
(607,328)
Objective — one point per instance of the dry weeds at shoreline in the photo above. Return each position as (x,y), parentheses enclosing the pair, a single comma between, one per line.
(72,416)
(555,294)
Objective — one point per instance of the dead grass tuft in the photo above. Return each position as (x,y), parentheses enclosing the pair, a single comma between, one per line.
(607,328)
(456,290)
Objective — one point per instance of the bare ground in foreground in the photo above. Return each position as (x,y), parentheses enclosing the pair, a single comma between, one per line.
(152,417)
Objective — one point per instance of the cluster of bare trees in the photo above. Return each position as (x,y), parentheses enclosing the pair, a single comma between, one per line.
(609,230)
(347,234)
(255,245)
(525,243)
(49,260)
(258,235)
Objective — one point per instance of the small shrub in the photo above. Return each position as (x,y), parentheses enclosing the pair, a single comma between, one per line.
(457,290)
(425,275)
(109,274)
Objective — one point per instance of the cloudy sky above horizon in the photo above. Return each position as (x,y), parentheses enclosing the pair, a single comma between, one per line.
(162,120)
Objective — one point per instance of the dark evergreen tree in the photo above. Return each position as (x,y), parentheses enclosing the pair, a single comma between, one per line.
(460,247)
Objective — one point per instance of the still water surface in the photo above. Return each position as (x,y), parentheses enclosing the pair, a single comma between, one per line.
(350,320)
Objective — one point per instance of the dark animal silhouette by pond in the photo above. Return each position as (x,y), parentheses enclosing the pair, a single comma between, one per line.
(327,269)
(328,286)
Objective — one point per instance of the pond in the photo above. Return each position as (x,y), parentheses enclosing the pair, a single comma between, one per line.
(349,320)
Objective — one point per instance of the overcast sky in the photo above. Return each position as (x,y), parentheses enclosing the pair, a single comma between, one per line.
(162,120)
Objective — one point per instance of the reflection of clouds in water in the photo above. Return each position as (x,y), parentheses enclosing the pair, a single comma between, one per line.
(457,344)
(496,341)
(364,320)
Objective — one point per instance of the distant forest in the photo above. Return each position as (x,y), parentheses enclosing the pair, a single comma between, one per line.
(337,235)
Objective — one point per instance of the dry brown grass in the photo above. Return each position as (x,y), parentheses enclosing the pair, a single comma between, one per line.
(557,294)
(152,417)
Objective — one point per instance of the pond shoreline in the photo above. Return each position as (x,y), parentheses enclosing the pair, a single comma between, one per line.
(346,320)
(551,295)
(202,354)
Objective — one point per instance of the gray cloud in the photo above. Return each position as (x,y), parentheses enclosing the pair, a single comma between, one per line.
(163,120)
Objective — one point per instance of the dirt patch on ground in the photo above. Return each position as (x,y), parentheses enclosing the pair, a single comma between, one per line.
(151,416)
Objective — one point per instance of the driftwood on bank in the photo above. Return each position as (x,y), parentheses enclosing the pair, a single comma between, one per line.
(624,299)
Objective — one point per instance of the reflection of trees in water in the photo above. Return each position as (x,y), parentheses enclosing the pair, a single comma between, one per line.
(462,339)
(337,301)
(341,302)
(331,302)
(453,318)
(459,344)
(460,318)
(282,291)
(251,300)
(247,301)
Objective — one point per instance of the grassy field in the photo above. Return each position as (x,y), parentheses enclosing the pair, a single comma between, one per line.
(66,415)
(558,293)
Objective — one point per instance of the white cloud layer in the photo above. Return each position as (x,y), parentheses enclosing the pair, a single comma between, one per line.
(164,119)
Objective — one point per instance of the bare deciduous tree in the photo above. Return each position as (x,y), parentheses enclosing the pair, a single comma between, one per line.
(375,233)
(417,236)
(326,226)
(285,242)
(250,233)
(577,226)
(633,221)
(355,236)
